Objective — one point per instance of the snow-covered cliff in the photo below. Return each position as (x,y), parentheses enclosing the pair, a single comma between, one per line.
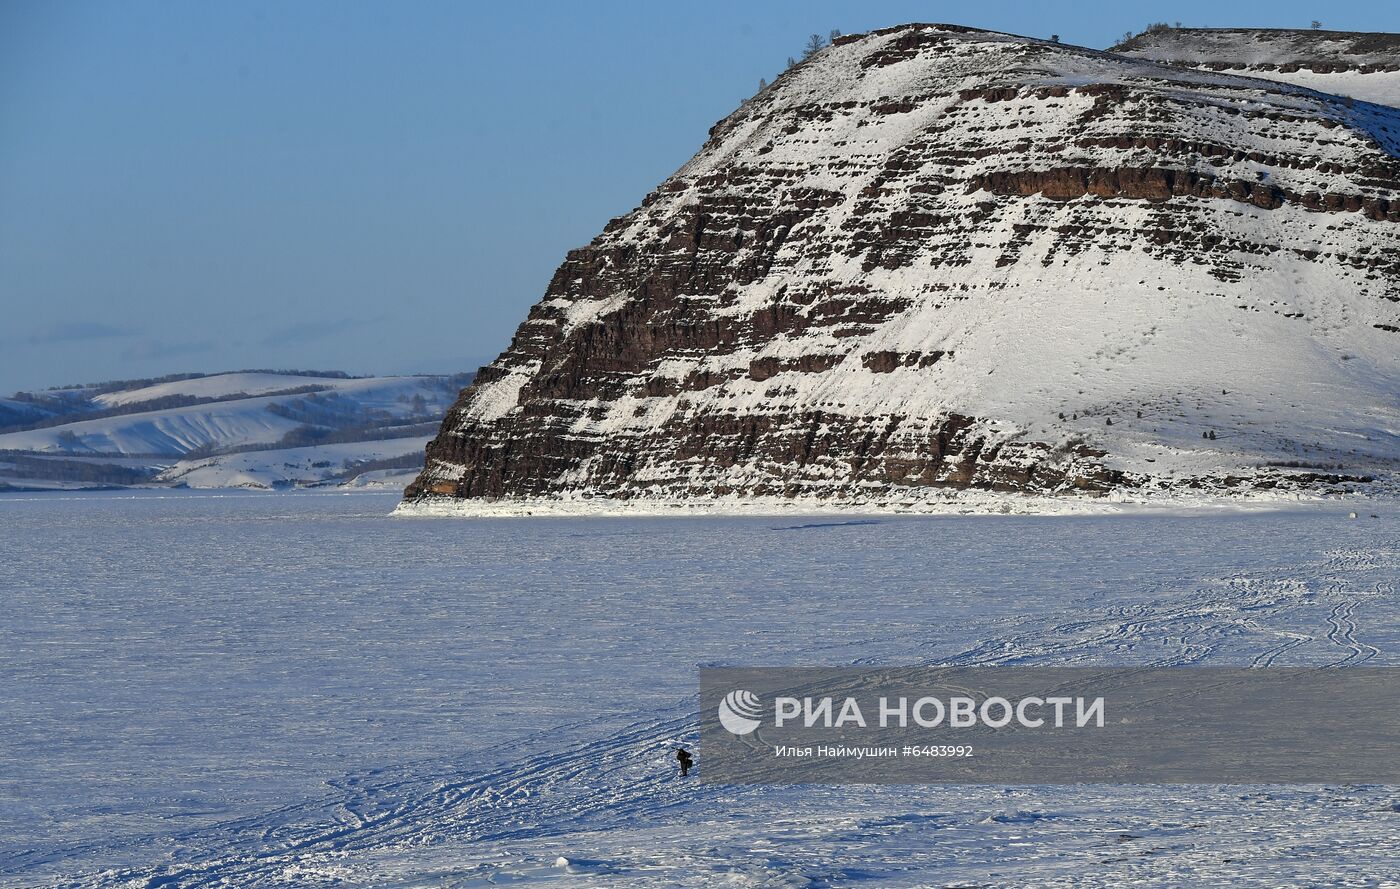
(933,258)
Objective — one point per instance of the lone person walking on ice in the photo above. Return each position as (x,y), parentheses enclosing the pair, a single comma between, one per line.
(685,759)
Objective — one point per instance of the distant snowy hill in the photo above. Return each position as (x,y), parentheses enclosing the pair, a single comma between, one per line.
(256,429)
(217,386)
(931,260)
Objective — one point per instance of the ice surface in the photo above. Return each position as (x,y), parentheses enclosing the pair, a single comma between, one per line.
(296,690)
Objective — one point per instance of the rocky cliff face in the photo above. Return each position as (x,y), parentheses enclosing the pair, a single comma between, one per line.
(933,258)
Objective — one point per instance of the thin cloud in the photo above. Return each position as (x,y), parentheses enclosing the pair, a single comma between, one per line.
(69,331)
(315,330)
(151,350)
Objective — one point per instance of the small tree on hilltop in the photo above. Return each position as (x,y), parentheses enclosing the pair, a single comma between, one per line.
(814,46)
(1316,25)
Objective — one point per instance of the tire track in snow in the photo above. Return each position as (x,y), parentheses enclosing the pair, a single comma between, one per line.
(1291,641)
(1342,633)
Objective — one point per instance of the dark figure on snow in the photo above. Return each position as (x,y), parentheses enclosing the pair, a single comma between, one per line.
(685,759)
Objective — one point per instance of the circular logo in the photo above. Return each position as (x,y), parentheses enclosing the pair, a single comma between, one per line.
(740,712)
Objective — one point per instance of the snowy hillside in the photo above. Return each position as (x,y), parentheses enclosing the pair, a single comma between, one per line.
(933,259)
(246,429)
(168,432)
(1360,65)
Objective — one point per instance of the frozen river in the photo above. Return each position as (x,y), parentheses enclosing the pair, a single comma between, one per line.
(295,689)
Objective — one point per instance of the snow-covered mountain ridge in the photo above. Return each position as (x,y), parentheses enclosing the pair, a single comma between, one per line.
(933,258)
(251,429)
(1363,66)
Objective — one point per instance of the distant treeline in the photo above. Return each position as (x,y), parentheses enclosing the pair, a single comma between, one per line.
(407,461)
(309,436)
(331,409)
(74,471)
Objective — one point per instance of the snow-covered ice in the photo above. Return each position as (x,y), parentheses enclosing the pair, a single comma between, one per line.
(296,690)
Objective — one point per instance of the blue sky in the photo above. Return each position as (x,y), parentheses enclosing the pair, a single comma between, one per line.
(379,187)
